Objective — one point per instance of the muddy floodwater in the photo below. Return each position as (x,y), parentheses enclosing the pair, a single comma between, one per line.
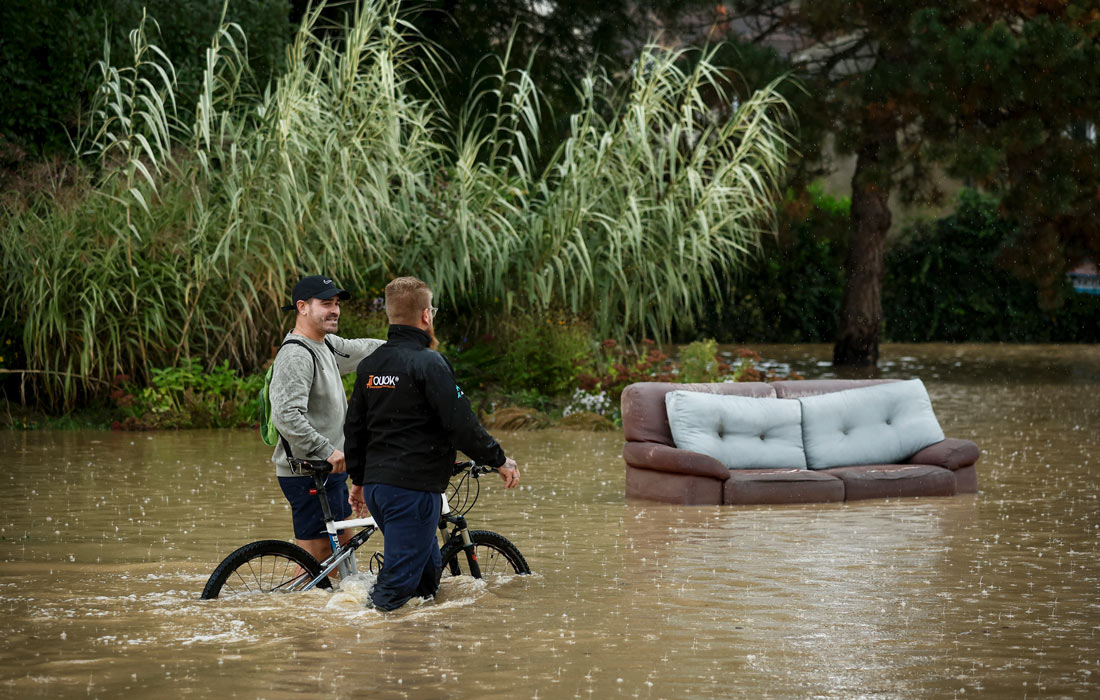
(108,538)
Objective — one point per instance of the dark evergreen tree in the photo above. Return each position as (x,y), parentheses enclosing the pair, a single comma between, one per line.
(1001,93)
(49,49)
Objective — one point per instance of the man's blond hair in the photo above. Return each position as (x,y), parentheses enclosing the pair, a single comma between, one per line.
(406,298)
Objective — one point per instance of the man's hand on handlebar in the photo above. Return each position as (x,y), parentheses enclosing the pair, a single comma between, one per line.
(336,459)
(510,473)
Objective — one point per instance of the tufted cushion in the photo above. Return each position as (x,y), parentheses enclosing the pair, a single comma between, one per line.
(880,424)
(643,405)
(739,431)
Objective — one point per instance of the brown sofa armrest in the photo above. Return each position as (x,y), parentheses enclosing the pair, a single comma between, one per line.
(951,453)
(663,458)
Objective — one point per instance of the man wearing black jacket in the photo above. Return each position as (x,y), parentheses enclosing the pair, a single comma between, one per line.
(406,418)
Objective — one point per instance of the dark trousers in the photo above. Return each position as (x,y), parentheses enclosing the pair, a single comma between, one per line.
(408,520)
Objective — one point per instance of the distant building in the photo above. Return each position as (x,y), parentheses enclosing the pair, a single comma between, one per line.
(1085,278)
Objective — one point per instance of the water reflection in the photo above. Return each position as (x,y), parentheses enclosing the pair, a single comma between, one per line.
(108,538)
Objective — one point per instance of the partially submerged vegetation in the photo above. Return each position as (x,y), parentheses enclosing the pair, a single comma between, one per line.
(195,220)
(505,385)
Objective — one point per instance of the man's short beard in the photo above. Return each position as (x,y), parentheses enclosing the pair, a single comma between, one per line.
(435,341)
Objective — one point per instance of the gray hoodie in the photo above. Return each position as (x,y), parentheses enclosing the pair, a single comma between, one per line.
(308,405)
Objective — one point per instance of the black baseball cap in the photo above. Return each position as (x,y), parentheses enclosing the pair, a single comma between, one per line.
(314,287)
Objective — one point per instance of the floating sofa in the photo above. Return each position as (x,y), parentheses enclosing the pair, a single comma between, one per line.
(807,441)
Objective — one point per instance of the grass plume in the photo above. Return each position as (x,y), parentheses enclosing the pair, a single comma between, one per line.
(197,226)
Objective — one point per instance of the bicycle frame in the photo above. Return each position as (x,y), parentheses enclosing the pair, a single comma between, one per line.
(459,548)
(343,559)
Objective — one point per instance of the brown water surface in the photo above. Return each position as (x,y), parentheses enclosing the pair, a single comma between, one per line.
(108,538)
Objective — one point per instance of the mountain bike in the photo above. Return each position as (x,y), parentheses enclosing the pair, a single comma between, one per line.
(278,566)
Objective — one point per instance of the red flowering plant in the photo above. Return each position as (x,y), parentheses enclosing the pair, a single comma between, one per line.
(618,365)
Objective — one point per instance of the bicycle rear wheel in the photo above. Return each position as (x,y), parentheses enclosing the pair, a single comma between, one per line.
(267,566)
(493,552)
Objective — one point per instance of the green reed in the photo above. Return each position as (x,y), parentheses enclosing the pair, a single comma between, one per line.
(198,226)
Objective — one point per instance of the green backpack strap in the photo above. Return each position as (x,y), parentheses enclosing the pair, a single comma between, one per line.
(268,432)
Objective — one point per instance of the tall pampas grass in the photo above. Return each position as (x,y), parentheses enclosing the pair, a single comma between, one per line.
(198,225)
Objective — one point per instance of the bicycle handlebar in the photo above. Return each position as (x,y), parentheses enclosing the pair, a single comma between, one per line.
(307,467)
(474,468)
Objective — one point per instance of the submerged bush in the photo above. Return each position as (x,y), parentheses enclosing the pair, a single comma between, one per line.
(542,354)
(699,362)
(188,396)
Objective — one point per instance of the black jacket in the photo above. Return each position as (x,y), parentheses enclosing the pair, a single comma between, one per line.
(407,416)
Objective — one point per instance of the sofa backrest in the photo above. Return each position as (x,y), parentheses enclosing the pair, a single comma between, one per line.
(645,418)
(796,388)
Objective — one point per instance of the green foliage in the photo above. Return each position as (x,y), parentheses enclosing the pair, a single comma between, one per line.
(11,345)
(699,361)
(187,396)
(530,398)
(1021,121)
(1004,95)
(361,318)
(47,47)
(558,42)
(541,355)
(196,228)
(791,291)
(475,363)
(947,281)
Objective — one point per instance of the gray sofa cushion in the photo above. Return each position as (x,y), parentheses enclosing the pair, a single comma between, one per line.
(739,431)
(880,424)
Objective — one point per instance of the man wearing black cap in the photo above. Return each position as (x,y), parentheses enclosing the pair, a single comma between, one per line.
(308,405)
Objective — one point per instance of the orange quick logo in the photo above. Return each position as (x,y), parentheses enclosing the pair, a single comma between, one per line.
(382,381)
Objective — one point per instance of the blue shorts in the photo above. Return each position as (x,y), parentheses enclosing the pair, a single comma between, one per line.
(309,521)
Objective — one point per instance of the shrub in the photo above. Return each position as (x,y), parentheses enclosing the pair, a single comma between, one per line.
(790,292)
(542,355)
(47,46)
(187,396)
(699,362)
(616,365)
(946,283)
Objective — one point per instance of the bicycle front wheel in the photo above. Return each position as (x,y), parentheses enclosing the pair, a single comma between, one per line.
(267,566)
(493,553)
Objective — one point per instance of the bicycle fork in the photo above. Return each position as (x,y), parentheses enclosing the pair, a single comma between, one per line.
(462,531)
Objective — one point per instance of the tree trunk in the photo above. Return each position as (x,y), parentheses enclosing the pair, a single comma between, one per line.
(861,309)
